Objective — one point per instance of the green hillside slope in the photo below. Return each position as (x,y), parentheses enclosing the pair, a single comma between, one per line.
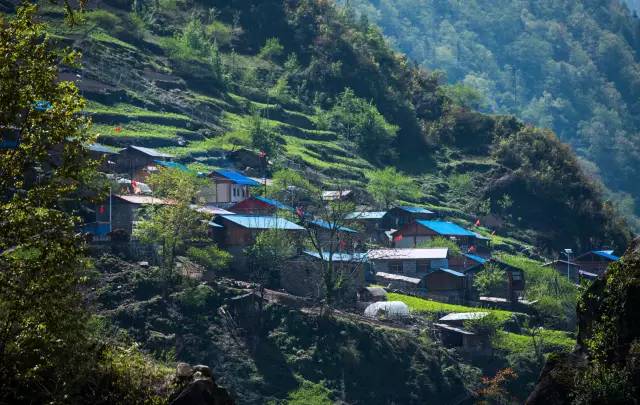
(200,78)
(572,66)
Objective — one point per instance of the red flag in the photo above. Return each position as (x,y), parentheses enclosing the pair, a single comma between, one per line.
(477,222)
(101,209)
(262,154)
(118,129)
(342,244)
(472,249)
(397,238)
(299,212)
(136,189)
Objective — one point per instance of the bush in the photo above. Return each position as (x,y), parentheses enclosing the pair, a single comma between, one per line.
(211,257)
(272,49)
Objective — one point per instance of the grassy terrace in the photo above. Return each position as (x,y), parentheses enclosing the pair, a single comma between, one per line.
(425,306)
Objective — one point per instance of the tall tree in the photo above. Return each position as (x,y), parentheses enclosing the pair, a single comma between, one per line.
(43,162)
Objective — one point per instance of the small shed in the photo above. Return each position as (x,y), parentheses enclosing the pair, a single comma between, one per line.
(459,318)
(399,282)
(138,161)
(596,261)
(371,224)
(454,337)
(446,285)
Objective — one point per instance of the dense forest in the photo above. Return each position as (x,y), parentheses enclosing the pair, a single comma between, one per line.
(571,66)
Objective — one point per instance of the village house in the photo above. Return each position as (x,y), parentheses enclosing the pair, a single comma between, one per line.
(259,205)
(125,212)
(596,261)
(453,334)
(106,155)
(228,187)
(235,233)
(446,285)
(397,217)
(370,222)
(513,286)
(465,261)
(416,232)
(565,268)
(343,238)
(138,162)
(303,275)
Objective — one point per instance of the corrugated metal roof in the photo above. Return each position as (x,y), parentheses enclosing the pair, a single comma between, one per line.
(415,210)
(408,254)
(100,148)
(398,277)
(262,222)
(151,152)
(364,215)
(274,203)
(236,177)
(142,199)
(173,165)
(210,209)
(339,257)
(452,272)
(587,274)
(454,329)
(326,225)
(481,237)
(332,195)
(463,316)
(446,228)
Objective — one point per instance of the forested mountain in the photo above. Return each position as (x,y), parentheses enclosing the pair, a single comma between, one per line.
(572,66)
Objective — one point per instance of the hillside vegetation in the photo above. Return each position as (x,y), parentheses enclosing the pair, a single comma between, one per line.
(572,66)
(323,93)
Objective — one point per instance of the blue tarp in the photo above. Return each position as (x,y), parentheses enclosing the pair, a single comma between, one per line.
(262,222)
(607,254)
(96,228)
(236,177)
(446,228)
(476,258)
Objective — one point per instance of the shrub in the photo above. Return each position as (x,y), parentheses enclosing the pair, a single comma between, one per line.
(272,49)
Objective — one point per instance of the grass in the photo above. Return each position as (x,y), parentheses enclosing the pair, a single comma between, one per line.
(102,36)
(139,129)
(309,393)
(425,306)
(130,111)
(552,341)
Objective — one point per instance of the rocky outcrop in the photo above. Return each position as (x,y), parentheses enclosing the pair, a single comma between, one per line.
(196,386)
(605,367)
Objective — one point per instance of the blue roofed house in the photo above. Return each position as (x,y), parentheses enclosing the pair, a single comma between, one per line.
(303,276)
(596,261)
(414,233)
(343,237)
(235,233)
(397,217)
(370,225)
(227,188)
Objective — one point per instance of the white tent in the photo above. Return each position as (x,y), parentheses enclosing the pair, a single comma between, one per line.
(391,309)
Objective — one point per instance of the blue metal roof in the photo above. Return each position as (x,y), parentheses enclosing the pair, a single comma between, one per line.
(173,165)
(415,210)
(446,228)
(475,258)
(339,257)
(274,203)
(262,222)
(236,177)
(326,225)
(366,215)
(452,272)
(607,254)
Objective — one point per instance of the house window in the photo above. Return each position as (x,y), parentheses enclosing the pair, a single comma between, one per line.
(516,276)
(395,267)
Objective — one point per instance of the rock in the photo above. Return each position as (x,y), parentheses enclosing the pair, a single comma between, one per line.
(205,370)
(195,386)
(183,370)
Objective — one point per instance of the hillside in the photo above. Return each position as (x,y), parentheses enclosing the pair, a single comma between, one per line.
(198,79)
(572,66)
